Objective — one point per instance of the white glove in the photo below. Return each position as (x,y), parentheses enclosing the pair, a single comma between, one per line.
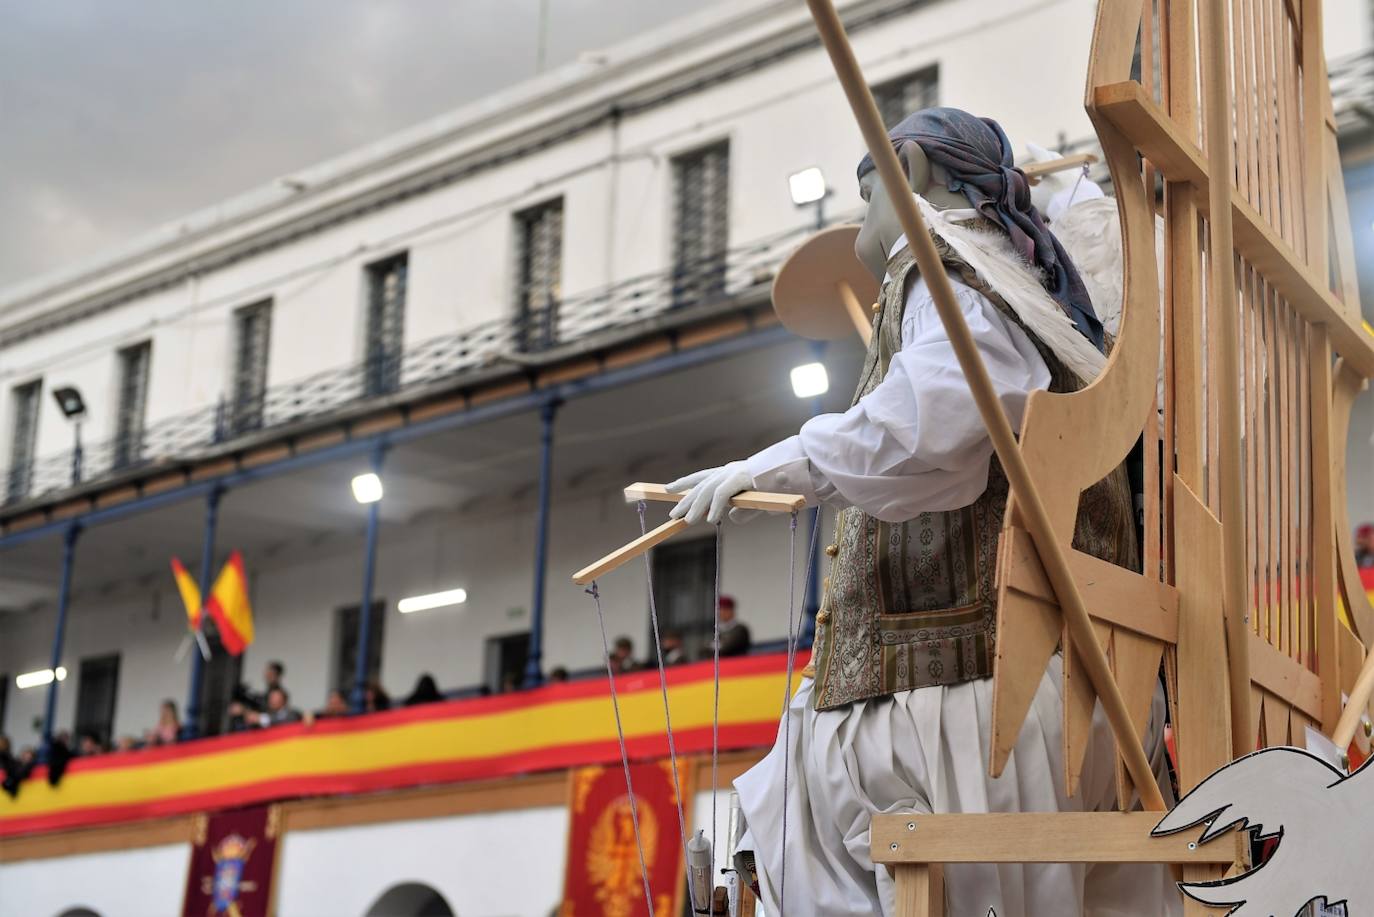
(709,493)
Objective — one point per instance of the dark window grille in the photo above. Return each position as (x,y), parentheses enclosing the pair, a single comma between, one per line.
(701,223)
(26,399)
(684,594)
(252,334)
(539,275)
(133,403)
(907,94)
(386,314)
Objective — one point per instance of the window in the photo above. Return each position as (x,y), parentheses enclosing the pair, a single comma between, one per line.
(684,595)
(701,223)
(133,403)
(24,438)
(386,316)
(252,333)
(907,94)
(95,697)
(539,274)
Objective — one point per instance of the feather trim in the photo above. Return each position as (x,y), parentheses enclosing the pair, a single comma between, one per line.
(994,259)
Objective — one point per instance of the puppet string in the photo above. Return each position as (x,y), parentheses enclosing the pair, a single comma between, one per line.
(663,687)
(793,636)
(624,755)
(715,703)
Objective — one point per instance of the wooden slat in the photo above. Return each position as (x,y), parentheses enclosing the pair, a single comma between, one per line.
(749,499)
(1287,395)
(1270,425)
(1314,88)
(1324,495)
(1042,837)
(1285,678)
(1202,728)
(128,836)
(920,889)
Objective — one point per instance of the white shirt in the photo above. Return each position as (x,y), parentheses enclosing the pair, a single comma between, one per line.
(916,443)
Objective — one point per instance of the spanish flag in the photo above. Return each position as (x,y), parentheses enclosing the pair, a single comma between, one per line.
(228,605)
(190,593)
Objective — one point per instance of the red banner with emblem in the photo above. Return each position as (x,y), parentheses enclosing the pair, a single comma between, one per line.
(233,863)
(603,871)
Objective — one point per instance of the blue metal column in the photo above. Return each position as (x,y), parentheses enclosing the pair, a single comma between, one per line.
(190,726)
(64,593)
(534,674)
(359,699)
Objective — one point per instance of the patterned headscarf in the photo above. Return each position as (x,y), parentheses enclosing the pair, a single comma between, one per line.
(977,156)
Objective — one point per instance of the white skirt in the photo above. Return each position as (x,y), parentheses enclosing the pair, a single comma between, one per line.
(927,751)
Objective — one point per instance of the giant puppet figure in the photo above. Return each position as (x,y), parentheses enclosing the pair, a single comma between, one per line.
(893,713)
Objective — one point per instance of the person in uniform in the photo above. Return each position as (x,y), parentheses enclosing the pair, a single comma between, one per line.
(893,713)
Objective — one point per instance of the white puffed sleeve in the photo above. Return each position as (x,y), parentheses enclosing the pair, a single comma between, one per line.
(916,443)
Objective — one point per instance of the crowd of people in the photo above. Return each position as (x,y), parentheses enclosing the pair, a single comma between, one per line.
(735,640)
(271,706)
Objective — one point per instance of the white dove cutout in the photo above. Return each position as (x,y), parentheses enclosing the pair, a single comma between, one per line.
(1324,821)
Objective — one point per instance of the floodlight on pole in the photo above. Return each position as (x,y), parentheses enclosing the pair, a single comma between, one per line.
(810,380)
(367,488)
(807,186)
(73,407)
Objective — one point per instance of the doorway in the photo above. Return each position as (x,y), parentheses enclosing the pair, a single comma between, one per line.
(95,697)
(504,661)
(346,645)
(684,594)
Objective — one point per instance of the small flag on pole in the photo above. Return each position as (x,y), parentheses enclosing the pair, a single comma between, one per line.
(228,605)
(190,593)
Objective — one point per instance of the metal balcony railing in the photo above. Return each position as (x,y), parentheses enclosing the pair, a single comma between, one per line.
(519,339)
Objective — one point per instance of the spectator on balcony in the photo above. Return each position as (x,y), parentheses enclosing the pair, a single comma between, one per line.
(623,656)
(246,702)
(168,725)
(375,698)
(90,745)
(426,691)
(734,635)
(279,709)
(558,675)
(334,706)
(673,653)
(126,743)
(1364,546)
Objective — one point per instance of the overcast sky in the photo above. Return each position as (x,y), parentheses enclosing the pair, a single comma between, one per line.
(118,116)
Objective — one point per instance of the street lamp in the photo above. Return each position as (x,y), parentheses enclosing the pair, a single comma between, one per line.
(808,187)
(73,407)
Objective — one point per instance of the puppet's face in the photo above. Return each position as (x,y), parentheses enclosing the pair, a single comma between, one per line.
(881,229)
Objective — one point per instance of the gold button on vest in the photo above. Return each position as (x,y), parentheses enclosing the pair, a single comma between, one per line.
(877,307)
(823,617)
(831,550)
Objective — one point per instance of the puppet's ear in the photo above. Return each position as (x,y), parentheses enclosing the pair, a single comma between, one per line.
(916,164)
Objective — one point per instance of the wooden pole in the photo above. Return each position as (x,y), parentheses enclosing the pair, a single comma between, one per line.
(1217,112)
(1038,523)
(863,322)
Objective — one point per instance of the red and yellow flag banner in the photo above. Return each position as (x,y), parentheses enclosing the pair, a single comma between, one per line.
(228,605)
(603,874)
(554,727)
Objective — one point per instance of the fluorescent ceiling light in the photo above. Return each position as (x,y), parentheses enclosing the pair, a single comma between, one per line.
(810,380)
(807,186)
(433,600)
(39,678)
(367,488)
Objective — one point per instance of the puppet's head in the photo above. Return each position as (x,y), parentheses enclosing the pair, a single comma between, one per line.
(956,160)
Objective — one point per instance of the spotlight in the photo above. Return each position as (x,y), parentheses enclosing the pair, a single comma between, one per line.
(810,380)
(69,401)
(367,488)
(807,186)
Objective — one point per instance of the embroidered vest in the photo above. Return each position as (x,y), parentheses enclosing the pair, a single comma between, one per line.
(913,604)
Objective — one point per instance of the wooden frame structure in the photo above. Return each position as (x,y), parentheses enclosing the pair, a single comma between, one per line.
(1215,118)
